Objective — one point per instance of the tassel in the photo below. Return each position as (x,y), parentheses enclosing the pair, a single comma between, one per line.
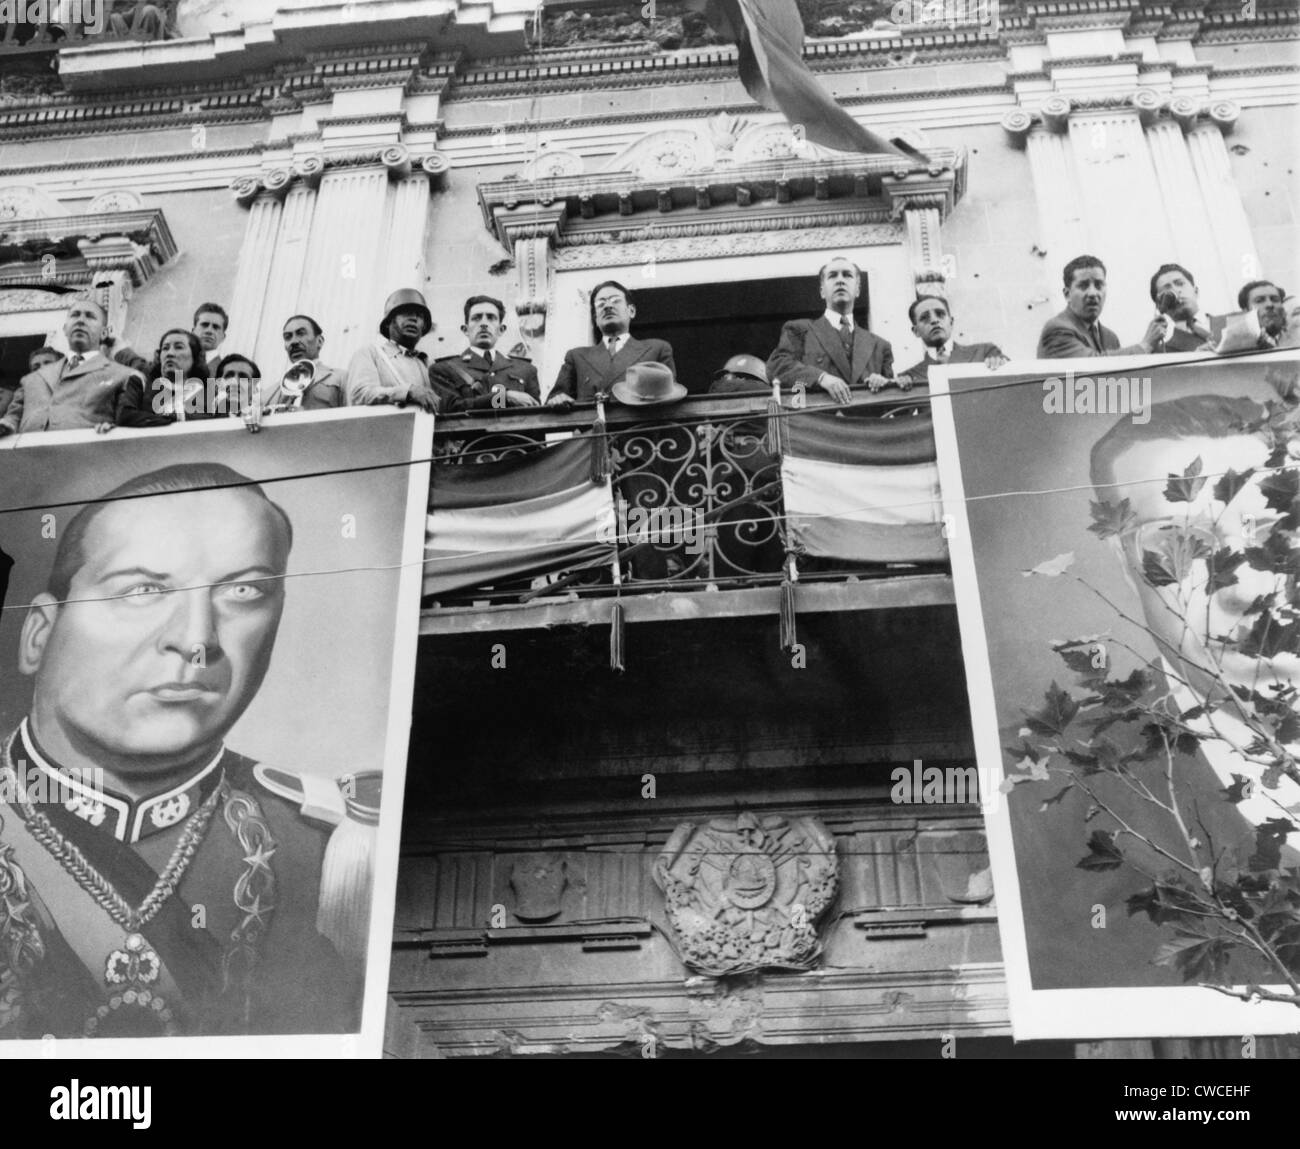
(789,638)
(602,466)
(616,638)
(775,441)
(347,873)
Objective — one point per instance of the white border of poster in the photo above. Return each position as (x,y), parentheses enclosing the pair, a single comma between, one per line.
(986,589)
(365,441)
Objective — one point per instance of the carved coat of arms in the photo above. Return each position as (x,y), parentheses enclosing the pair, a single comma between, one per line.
(745,893)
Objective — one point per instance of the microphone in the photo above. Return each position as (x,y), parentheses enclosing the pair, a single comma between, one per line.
(1166,302)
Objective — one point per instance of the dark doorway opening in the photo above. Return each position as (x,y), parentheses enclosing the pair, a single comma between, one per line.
(707,323)
(13,357)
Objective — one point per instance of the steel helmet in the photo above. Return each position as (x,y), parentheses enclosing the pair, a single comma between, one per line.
(405,297)
(745,367)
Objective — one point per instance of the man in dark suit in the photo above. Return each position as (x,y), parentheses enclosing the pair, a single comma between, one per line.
(76,393)
(1264,298)
(832,352)
(1173,291)
(931,320)
(1079,932)
(1077,333)
(588,370)
(480,376)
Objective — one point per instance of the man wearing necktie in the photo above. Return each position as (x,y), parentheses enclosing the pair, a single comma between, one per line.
(480,377)
(832,352)
(1174,292)
(1077,332)
(77,393)
(587,371)
(932,322)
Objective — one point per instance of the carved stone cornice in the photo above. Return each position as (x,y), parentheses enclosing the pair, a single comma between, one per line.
(728,191)
(137,242)
(1187,111)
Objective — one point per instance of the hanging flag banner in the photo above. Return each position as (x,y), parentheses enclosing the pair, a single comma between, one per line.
(769,35)
(527,514)
(1124,552)
(862,489)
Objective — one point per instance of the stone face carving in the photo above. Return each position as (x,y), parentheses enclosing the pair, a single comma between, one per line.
(745,893)
(538,881)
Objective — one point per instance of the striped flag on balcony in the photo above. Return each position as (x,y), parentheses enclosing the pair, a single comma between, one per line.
(520,516)
(862,489)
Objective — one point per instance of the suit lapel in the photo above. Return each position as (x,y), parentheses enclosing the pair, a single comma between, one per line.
(829,338)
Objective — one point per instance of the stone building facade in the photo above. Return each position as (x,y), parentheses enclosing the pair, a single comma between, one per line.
(314,157)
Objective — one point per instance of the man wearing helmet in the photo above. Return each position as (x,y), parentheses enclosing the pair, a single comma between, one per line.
(740,375)
(391,370)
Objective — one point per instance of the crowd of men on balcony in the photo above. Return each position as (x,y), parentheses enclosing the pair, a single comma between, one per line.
(101,383)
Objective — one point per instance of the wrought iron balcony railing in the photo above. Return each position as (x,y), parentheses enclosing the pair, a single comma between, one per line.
(697,485)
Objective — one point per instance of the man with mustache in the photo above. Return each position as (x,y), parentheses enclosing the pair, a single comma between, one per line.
(833,352)
(76,393)
(480,376)
(157,885)
(588,371)
(303,340)
(1076,332)
(1264,298)
(391,370)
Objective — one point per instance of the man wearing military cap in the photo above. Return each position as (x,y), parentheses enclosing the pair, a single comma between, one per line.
(154,882)
(391,370)
(480,376)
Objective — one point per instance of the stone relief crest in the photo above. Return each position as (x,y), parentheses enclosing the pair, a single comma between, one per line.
(553,163)
(664,155)
(21,202)
(115,201)
(745,893)
(538,881)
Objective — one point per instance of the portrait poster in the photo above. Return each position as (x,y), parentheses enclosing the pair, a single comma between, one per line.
(207,656)
(1123,537)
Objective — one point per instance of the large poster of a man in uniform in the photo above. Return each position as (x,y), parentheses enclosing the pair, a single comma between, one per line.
(206,655)
(1125,561)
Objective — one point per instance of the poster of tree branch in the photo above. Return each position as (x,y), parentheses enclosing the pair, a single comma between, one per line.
(1126,567)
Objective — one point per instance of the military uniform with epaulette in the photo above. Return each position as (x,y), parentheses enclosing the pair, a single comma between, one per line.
(471,381)
(195,910)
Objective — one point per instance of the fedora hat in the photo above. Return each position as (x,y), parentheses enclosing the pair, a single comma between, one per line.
(648,385)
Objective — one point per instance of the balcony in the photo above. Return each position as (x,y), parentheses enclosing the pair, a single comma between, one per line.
(700,512)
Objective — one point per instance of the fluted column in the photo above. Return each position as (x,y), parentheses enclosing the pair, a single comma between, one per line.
(1188,221)
(1060,213)
(923,243)
(404,236)
(344,260)
(1231,229)
(1126,219)
(252,276)
(283,283)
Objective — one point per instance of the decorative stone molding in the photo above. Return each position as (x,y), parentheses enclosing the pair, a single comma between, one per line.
(1055,111)
(24,202)
(112,201)
(553,163)
(745,893)
(531,237)
(307,171)
(135,242)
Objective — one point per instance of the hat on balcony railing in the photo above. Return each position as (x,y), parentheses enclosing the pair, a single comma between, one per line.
(648,385)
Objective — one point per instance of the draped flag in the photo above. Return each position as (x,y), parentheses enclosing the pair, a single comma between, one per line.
(523,515)
(862,489)
(769,34)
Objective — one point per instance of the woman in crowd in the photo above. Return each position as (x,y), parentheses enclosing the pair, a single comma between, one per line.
(176,389)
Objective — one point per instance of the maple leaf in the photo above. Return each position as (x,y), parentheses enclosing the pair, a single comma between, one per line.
(1056,715)
(1221,568)
(1185,488)
(1157,570)
(1052,567)
(1281,491)
(1196,958)
(1276,556)
(1269,837)
(1102,854)
(1230,483)
(1109,519)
